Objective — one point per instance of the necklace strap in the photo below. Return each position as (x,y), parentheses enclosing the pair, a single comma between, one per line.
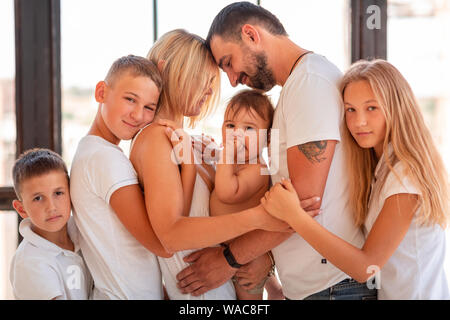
(295,63)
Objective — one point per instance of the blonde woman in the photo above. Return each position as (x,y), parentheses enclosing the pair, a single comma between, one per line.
(399,190)
(190,89)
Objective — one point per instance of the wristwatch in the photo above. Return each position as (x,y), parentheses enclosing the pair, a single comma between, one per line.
(229,257)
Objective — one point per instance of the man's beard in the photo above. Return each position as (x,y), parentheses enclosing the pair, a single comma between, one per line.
(263,78)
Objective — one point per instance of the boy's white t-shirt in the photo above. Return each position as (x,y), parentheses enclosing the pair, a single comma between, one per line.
(416,269)
(41,270)
(121,267)
(310,109)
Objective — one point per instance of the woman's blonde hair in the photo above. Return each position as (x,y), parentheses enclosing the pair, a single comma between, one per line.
(411,142)
(188,68)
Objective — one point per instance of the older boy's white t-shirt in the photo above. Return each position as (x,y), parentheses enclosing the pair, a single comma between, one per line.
(121,267)
(310,109)
(416,269)
(41,270)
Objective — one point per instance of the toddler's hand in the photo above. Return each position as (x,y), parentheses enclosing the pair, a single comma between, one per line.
(240,148)
(228,153)
(234,147)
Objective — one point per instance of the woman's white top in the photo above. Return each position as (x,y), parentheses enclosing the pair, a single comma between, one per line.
(170,267)
(416,269)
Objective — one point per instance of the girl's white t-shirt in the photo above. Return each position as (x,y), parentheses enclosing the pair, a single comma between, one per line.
(416,269)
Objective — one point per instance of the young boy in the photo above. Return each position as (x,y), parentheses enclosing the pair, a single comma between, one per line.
(47,264)
(118,242)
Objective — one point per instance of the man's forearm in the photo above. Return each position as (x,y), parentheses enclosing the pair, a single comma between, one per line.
(253,244)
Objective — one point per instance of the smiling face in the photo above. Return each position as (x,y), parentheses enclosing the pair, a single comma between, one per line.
(243,130)
(127,106)
(46,201)
(364,116)
(242,65)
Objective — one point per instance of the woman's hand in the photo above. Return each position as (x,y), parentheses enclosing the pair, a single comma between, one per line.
(282,202)
(180,141)
(207,147)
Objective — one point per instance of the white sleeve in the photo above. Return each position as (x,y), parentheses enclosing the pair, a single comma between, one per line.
(36,279)
(312,110)
(109,170)
(394,185)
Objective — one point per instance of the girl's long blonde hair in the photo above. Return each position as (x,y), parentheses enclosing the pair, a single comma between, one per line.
(187,70)
(411,142)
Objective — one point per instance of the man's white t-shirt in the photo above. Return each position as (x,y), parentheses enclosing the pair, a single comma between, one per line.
(310,109)
(41,270)
(416,269)
(121,267)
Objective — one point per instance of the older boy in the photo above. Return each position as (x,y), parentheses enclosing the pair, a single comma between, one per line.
(118,241)
(47,264)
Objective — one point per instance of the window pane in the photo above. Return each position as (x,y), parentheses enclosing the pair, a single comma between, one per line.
(194,16)
(7,92)
(93,35)
(419,46)
(8,245)
(182,18)
(321,26)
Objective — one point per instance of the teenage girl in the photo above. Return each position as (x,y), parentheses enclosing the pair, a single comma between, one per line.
(399,190)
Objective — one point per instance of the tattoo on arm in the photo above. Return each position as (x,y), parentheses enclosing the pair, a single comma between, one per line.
(314,151)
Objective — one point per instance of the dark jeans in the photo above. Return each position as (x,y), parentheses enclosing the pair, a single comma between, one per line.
(348,289)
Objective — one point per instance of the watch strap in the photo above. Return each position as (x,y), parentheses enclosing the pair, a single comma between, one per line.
(230,258)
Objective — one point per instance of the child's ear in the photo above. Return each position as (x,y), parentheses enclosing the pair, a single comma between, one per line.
(161,64)
(20,209)
(100,91)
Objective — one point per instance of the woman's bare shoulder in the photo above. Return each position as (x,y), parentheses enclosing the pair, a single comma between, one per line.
(153,131)
(150,143)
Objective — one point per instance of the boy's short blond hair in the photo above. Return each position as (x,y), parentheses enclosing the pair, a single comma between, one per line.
(36,162)
(252,99)
(136,66)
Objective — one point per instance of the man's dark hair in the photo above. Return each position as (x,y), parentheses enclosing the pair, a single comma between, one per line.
(36,162)
(229,21)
